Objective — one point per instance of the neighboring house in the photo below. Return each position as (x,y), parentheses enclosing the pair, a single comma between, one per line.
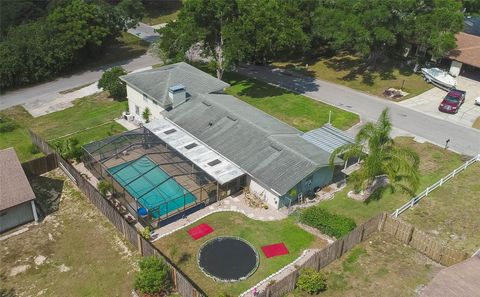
(459,280)
(468,47)
(17,204)
(279,164)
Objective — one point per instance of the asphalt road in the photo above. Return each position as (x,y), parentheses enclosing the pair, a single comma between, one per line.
(47,92)
(462,139)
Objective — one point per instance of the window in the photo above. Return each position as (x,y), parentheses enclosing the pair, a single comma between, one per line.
(170,131)
(137,110)
(191,145)
(214,162)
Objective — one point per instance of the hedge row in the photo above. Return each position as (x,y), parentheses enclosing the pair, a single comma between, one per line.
(328,223)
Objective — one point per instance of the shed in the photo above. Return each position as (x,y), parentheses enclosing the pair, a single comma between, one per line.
(17,205)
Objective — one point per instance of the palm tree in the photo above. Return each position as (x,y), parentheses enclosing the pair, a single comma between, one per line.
(384,158)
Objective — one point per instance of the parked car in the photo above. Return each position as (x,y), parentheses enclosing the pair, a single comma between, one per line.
(452,101)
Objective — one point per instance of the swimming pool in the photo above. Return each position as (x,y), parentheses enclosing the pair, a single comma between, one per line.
(151,186)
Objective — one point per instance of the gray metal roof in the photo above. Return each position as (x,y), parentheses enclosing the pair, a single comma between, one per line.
(271,151)
(328,138)
(155,83)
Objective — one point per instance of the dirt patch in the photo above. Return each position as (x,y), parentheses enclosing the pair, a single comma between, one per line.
(19,269)
(476,124)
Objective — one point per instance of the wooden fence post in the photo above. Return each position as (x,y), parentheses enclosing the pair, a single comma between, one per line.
(139,242)
(381,224)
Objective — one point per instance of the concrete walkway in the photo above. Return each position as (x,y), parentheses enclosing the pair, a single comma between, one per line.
(231,203)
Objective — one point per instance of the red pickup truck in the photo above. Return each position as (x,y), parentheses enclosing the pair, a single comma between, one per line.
(452,101)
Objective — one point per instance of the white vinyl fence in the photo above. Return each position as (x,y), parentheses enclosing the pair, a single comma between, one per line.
(439,183)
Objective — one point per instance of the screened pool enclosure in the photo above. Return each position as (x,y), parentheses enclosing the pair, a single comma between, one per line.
(153,179)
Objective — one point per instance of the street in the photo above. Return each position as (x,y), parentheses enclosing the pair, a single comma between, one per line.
(462,139)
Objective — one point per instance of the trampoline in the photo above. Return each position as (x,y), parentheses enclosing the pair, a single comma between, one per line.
(156,191)
(228,259)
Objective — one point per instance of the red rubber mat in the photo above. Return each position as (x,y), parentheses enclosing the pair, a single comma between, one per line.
(200,231)
(273,250)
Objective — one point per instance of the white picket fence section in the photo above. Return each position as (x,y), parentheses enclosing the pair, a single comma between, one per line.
(439,183)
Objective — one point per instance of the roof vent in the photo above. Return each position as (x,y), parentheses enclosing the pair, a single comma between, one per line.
(191,145)
(170,131)
(214,162)
(177,94)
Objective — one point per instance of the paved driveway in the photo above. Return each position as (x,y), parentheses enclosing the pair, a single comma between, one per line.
(428,103)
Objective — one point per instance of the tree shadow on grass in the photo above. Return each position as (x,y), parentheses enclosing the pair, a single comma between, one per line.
(377,195)
(48,192)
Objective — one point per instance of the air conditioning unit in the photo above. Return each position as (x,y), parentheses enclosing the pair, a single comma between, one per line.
(130,117)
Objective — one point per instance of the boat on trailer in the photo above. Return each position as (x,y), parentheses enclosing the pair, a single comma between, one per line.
(439,78)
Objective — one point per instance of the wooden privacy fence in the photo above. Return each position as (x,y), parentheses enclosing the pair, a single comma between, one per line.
(181,282)
(439,183)
(402,231)
(40,165)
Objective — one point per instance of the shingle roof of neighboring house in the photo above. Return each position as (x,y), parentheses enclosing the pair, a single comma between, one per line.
(459,280)
(156,82)
(14,186)
(271,151)
(468,49)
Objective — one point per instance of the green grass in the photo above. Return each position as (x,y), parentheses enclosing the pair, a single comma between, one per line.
(182,249)
(75,235)
(90,111)
(163,12)
(450,213)
(296,110)
(350,71)
(379,266)
(435,162)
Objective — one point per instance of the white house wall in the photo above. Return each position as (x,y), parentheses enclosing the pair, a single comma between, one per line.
(264,194)
(136,98)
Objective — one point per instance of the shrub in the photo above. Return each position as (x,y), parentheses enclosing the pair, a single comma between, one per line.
(146,232)
(326,222)
(111,82)
(153,277)
(34,149)
(7,125)
(146,115)
(311,281)
(69,149)
(104,187)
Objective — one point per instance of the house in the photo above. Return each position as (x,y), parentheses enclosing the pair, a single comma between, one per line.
(468,47)
(17,204)
(279,165)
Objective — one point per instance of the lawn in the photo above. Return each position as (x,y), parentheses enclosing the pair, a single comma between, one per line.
(296,110)
(435,162)
(96,112)
(350,71)
(182,249)
(74,251)
(379,266)
(162,12)
(451,213)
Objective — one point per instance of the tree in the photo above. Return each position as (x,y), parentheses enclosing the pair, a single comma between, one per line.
(13,13)
(311,281)
(132,11)
(146,115)
(153,277)
(385,157)
(111,82)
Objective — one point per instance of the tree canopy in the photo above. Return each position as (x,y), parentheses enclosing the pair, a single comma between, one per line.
(234,31)
(73,31)
(399,164)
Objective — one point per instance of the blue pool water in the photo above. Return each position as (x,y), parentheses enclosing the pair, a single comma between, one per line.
(139,177)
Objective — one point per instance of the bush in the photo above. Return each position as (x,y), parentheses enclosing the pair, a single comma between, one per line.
(153,277)
(34,149)
(146,232)
(104,187)
(326,222)
(111,82)
(311,281)
(69,149)
(7,125)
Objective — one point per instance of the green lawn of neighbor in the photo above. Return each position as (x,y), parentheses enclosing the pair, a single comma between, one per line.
(161,12)
(87,112)
(350,71)
(451,213)
(75,251)
(296,110)
(435,162)
(182,249)
(379,266)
